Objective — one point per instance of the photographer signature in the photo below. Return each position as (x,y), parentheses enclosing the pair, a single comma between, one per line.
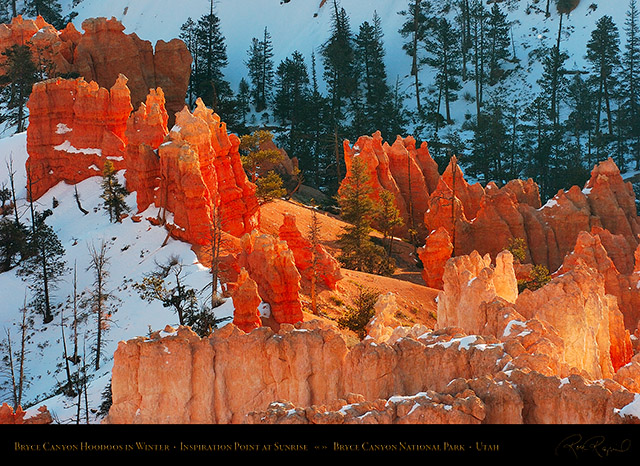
(593,445)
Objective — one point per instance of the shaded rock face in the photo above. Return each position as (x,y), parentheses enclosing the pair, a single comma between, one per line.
(272,265)
(310,259)
(103,52)
(405,170)
(74,127)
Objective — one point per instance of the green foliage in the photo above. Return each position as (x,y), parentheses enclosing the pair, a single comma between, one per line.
(156,286)
(357,250)
(518,248)
(260,67)
(358,316)
(113,193)
(253,155)
(13,243)
(538,277)
(21,73)
(44,265)
(269,187)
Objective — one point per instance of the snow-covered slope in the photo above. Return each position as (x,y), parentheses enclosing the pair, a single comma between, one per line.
(304,26)
(133,250)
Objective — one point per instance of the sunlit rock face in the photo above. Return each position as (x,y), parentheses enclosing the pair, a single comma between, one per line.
(74,127)
(310,259)
(102,52)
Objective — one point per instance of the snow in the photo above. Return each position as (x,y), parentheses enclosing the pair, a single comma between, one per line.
(632,409)
(62,129)
(67,147)
(133,250)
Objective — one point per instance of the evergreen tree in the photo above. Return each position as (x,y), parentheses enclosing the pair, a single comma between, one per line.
(244,99)
(44,265)
(553,82)
(444,57)
(290,103)
(261,73)
(490,143)
(166,283)
(479,16)
(113,193)
(630,79)
(603,52)
(211,58)
(581,119)
(13,243)
(414,30)
(50,10)
(339,68)
(498,42)
(377,97)
(387,220)
(189,37)
(20,76)
(357,250)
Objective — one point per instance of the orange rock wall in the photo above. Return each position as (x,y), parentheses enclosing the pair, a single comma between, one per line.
(74,127)
(103,52)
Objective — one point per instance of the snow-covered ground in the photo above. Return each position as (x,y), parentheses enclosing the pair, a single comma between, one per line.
(133,250)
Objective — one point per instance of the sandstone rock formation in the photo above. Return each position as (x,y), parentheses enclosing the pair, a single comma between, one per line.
(74,127)
(310,259)
(405,170)
(234,377)
(8,416)
(246,301)
(103,52)
(202,180)
(434,255)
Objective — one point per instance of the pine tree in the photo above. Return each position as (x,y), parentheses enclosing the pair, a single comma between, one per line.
(166,284)
(387,220)
(254,155)
(581,119)
(290,101)
(377,97)
(553,82)
(244,99)
(113,193)
(20,76)
(490,142)
(498,41)
(339,72)
(444,57)
(414,30)
(189,37)
(357,250)
(603,52)
(45,264)
(211,58)
(479,16)
(630,80)
(50,10)
(267,72)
